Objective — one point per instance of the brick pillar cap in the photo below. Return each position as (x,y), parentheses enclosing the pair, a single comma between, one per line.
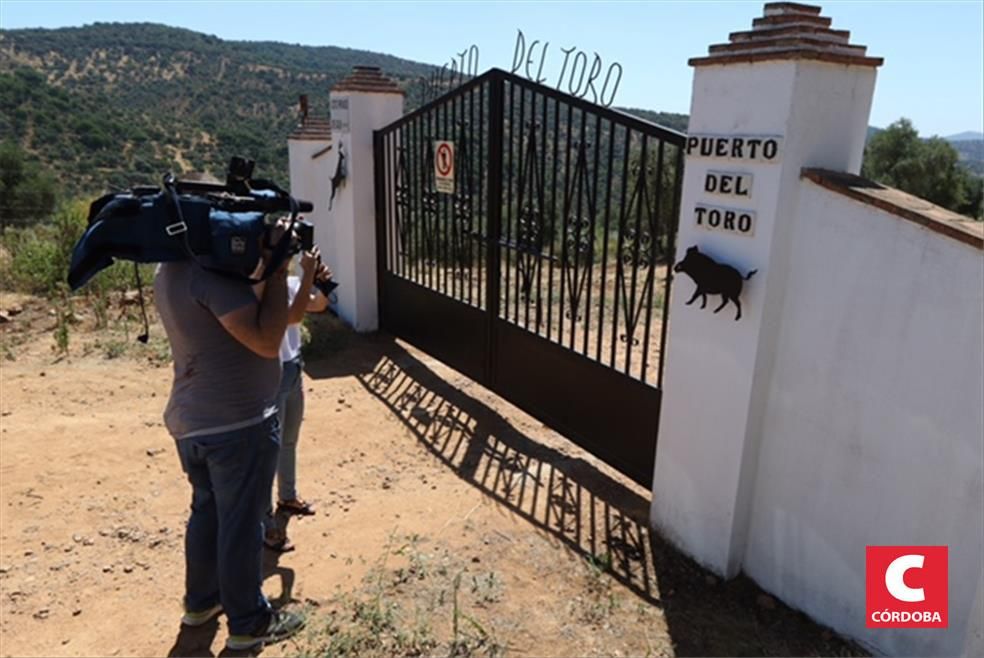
(788,31)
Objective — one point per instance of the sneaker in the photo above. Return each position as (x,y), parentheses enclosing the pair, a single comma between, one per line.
(281,626)
(201,618)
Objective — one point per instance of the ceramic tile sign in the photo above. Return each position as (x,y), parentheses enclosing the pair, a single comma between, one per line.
(736,221)
(764,149)
(728,184)
(444,166)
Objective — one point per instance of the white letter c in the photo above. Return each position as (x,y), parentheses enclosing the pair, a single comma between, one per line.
(894,578)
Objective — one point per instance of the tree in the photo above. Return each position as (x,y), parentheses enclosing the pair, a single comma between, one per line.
(27,194)
(929,169)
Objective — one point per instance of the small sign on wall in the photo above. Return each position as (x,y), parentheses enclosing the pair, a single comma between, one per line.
(340,115)
(727,220)
(444,166)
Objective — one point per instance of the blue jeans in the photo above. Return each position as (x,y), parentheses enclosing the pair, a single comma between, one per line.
(290,411)
(290,407)
(230,474)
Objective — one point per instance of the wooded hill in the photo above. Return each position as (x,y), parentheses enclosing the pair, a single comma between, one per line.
(110,105)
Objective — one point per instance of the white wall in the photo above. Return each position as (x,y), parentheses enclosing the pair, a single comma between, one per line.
(873,431)
(310,180)
(716,370)
(353,213)
(846,408)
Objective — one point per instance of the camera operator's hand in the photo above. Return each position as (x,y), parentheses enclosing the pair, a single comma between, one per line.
(322,273)
(309,264)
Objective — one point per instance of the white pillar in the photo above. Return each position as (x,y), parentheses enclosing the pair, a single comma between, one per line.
(795,81)
(365,101)
(309,149)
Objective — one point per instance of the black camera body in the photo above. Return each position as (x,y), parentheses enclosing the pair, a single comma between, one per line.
(302,239)
(305,234)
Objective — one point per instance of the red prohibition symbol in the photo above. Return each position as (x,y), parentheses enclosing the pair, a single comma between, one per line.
(445,160)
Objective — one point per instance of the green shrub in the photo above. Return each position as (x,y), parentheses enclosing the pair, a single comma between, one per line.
(38,258)
(40,255)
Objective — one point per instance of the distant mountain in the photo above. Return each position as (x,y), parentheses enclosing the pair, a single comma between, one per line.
(971,154)
(965,136)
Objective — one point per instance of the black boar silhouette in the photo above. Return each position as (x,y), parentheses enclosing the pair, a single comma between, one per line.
(712,278)
(338,178)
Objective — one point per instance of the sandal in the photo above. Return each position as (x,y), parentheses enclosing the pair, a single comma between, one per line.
(295,506)
(276,540)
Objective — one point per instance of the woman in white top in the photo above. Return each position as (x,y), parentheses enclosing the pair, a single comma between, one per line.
(303,297)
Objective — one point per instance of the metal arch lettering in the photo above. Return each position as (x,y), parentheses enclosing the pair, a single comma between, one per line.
(459,67)
(584,70)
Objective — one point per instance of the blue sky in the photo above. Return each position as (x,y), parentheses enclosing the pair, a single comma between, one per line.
(934,51)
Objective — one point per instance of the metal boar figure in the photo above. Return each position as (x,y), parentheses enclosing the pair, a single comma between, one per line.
(712,278)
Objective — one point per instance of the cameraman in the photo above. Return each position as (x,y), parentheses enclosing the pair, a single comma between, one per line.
(226,340)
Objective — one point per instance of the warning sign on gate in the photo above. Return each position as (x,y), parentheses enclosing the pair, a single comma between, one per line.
(444,166)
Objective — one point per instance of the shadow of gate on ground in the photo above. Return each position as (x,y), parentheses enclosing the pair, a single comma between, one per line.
(561,494)
(575,501)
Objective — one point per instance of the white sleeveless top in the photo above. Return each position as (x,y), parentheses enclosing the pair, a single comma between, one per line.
(290,346)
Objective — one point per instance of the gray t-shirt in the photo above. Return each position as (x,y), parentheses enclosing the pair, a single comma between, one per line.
(220,385)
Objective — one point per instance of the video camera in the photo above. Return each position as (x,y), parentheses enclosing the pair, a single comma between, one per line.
(224,228)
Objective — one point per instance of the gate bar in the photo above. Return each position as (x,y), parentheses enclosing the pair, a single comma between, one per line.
(494,214)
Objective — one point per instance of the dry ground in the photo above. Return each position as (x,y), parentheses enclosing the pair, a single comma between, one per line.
(449,522)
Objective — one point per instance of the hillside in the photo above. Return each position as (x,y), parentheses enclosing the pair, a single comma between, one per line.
(109,105)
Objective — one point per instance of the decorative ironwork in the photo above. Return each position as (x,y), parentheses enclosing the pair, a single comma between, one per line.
(430,202)
(579,212)
(529,225)
(463,203)
(639,248)
(402,199)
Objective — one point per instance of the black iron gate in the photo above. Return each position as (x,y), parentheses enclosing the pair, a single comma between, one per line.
(541,272)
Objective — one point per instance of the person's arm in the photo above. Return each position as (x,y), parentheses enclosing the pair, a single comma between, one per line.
(260,327)
(309,267)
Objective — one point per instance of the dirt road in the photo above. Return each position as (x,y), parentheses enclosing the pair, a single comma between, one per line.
(448,522)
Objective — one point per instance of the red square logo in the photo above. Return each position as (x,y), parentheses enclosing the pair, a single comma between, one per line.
(906,586)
